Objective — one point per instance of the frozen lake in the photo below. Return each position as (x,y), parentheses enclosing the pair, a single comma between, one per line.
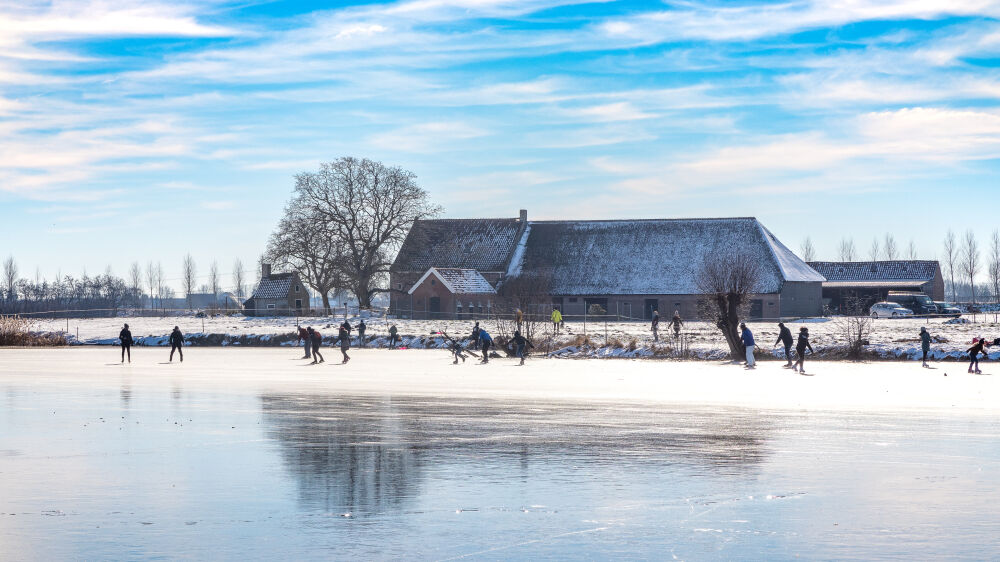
(240,454)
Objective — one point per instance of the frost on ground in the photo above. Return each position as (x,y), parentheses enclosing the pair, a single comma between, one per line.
(890,338)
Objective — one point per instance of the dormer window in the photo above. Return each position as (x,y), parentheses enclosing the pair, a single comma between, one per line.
(297,288)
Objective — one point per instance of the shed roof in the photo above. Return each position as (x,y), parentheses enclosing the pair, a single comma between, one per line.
(480,244)
(458,281)
(877,271)
(275,286)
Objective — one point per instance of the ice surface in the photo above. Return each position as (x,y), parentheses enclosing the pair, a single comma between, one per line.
(247,454)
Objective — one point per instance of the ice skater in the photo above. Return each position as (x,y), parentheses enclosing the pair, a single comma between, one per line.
(125,337)
(317,341)
(475,333)
(393,336)
(655,327)
(176,344)
(307,342)
(800,350)
(556,318)
(457,351)
(925,345)
(362,327)
(974,352)
(676,323)
(485,341)
(521,344)
(748,342)
(785,339)
(344,337)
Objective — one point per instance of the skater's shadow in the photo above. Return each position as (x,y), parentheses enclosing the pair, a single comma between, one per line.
(929,368)
(122,364)
(166,363)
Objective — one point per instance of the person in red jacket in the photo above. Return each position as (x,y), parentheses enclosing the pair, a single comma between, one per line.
(304,337)
(317,342)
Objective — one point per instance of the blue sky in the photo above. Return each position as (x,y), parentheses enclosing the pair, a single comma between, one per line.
(137,131)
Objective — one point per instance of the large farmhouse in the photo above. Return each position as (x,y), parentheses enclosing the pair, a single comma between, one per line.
(628,268)
(871,281)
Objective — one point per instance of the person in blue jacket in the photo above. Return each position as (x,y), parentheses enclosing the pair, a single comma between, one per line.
(486,341)
(748,342)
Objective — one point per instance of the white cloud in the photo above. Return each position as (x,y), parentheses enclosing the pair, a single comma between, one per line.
(620,111)
(425,137)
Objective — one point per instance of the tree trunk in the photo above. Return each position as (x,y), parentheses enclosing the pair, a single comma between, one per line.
(326,302)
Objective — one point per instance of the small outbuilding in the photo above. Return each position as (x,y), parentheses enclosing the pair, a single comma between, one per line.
(444,292)
(277,294)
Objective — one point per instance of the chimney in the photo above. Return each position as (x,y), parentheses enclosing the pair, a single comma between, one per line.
(524,215)
(265,270)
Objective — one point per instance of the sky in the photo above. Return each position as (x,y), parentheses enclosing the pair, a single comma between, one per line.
(146,130)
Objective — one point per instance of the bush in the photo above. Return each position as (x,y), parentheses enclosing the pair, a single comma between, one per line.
(14,332)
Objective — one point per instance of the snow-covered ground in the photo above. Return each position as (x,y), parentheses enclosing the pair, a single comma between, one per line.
(834,385)
(890,339)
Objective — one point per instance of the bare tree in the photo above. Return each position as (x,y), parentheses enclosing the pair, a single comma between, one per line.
(969,263)
(238,282)
(855,325)
(808,250)
(950,259)
(10,278)
(160,289)
(994,267)
(151,282)
(846,250)
(911,250)
(890,247)
(369,207)
(188,275)
(874,252)
(135,283)
(304,242)
(213,281)
(728,281)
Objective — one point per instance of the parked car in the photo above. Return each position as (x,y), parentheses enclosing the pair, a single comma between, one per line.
(889,310)
(918,303)
(948,309)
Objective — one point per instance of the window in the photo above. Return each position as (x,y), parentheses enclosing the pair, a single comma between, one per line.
(480,306)
(572,299)
(270,307)
(298,303)
(297,288)
(458,307)
(433,282)
(399,286)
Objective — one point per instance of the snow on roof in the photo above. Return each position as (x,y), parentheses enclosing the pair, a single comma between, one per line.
(792,267)
(458,281)
(276,286)
(654,257)
(480,244)
(872,271)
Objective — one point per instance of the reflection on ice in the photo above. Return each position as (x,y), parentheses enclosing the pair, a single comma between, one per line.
(368,455)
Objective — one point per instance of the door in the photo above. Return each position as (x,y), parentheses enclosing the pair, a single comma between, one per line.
(435,304)
(626,310)
(648,309)
(757,308)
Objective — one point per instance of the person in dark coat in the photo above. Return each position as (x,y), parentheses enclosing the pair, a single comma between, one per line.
(520,344)
(676,323)
(748,343)
(475,333)
(925,345)
(974,351)
(486,341)
(305,337)
(656,326)
(125,337)
(317,342)
(800,349)
(347,326)
(785,338)
(344,337)
(393,336)
(361,332)
(176,343)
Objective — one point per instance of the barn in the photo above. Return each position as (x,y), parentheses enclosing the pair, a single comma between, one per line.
(871,281)
(626,268)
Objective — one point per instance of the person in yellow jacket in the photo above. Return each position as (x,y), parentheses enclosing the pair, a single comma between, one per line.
(556,320)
